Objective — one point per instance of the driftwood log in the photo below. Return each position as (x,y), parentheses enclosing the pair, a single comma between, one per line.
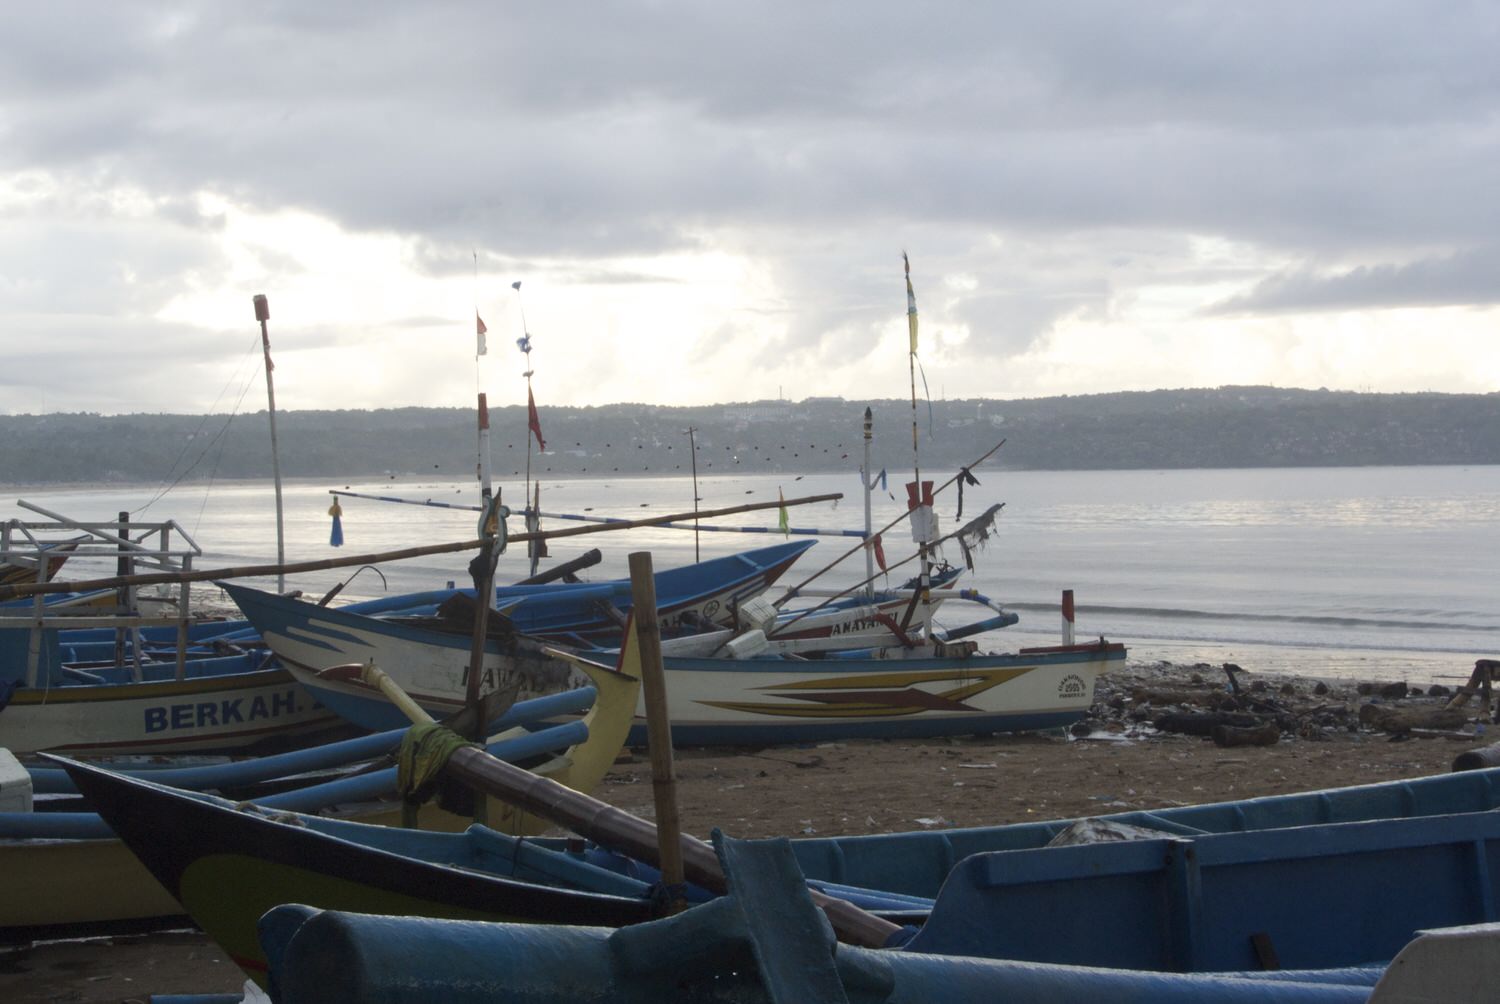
(1265,734)
(1392,719)
(1200,698)
(1204,723)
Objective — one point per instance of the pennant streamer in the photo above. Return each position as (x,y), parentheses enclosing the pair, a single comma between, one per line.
(533,422)
(783,523)
(479,330)
(975,534)
(911,304)
(965,476)
(879,551)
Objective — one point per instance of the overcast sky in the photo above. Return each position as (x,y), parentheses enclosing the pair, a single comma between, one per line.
(708,202)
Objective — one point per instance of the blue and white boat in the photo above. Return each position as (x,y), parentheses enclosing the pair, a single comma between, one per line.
(930,687)
(226,695)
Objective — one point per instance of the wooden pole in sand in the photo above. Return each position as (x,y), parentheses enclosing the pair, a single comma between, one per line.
(658,726)
(589,817)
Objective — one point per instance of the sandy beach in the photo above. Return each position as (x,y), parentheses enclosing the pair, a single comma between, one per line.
(881,786)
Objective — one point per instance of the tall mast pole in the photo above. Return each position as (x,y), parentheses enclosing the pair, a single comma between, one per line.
(869,485)
(482,414)
(533,507)
(486,494)
(263,314)
(693,454)
(919,512)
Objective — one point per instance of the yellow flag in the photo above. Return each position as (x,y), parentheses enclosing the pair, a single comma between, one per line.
(911,304)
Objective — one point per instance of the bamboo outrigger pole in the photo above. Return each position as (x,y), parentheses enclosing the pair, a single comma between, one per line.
(597,820)
(988,514)
(658,727)
(254,571)
(792,592)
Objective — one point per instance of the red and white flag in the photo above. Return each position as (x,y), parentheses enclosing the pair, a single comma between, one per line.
(533,422)
(479,330)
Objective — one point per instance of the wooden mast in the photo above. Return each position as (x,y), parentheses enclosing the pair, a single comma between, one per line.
(263,314)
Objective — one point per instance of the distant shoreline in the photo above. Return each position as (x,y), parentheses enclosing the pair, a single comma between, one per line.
(369,482)
(1205,429)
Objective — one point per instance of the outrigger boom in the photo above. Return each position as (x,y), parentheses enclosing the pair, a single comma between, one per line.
(798,531)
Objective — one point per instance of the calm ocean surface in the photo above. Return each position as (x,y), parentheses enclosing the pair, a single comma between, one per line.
(1368,572)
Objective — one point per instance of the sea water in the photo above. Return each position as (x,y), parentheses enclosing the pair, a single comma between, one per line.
(1382,573)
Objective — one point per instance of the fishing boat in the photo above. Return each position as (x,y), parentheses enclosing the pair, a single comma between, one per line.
(1421,829)
(89,679)
(216,704)
(813,688)
(16,569)
(937,688)
(228,864)
(204,697)
(67,872)
(765,941)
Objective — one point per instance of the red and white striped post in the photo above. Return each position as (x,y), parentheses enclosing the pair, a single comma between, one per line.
(1067,617)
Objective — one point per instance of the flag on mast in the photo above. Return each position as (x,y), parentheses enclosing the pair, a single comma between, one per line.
(336,535)
(911,305)
(533,422)
(480,329)
(783,522)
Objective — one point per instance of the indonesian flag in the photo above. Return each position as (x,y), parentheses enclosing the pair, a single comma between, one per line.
(479,330)
(533,422)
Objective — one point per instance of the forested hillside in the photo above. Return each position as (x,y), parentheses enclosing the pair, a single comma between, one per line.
(1223,427)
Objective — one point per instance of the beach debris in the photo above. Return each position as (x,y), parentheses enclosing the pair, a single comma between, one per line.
(1204,723)
(1389,691)
(1388,718)
(1265,734)
(1103,831)
(1167,698)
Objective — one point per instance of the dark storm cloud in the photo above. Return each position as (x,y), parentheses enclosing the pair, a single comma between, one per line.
(815,140)
(612,129)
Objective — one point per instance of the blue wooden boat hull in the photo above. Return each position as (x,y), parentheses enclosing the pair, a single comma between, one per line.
(1315,896)
(66,874)
(384,960)
(358,787)
(764,941)
(917,863)
(570,612)
(183,837)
